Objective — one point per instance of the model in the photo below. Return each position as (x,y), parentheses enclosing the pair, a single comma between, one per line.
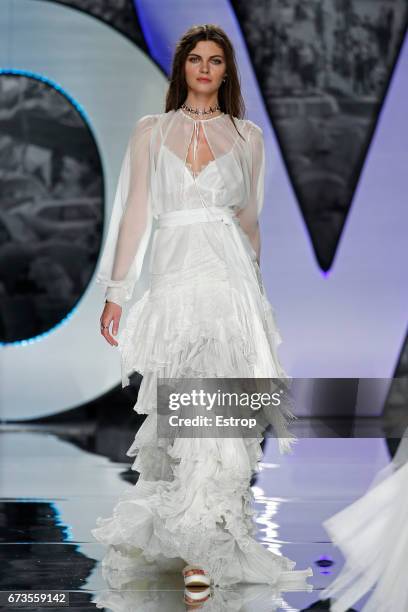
(197,170)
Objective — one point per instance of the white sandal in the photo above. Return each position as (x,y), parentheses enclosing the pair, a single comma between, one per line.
(195,576)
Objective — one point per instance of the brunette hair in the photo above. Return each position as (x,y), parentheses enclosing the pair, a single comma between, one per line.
(229,94)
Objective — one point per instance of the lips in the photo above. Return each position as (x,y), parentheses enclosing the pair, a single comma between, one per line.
(203,79)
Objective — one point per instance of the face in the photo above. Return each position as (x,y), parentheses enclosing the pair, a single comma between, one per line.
(205,67)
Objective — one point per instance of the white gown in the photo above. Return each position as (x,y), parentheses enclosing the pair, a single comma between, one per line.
(372,534)
(205,314)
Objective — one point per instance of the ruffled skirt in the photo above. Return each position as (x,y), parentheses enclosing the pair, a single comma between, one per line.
(193,502)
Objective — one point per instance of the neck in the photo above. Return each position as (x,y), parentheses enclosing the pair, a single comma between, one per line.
(201,102)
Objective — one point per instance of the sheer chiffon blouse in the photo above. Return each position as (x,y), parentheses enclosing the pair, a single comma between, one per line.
(149,185)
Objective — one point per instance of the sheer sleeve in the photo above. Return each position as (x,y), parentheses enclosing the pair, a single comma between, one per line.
(131,220)
(248,216)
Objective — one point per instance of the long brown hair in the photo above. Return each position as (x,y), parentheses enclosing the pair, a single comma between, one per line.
(229,94)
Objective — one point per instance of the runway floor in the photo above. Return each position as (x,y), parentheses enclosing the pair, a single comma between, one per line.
(55,482)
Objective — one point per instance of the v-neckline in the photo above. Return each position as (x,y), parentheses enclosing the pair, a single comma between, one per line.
(189,172)
(196,175)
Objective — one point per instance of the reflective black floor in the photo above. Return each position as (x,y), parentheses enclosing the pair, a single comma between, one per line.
(53,487)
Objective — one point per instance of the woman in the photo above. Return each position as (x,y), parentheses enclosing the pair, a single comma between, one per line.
(198,169)
(372,534)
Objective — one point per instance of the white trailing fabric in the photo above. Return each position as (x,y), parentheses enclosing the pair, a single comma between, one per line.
(372,534)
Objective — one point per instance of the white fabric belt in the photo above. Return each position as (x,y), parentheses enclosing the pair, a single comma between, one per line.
(196,215)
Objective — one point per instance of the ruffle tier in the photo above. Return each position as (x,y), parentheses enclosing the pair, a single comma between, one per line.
(207,331)
(210,330)
(203,516)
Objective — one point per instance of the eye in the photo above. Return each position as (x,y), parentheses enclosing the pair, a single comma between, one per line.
(197,59)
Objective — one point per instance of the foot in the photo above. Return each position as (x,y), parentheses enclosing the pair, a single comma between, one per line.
(195,576)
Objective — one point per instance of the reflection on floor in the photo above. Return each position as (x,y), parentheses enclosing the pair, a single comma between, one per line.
(52,490)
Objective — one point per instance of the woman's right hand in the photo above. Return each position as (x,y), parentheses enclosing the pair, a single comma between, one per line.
(111,312)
